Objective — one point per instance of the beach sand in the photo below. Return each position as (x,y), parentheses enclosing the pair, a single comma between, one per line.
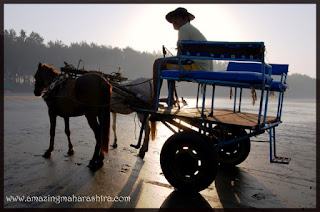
(254,183)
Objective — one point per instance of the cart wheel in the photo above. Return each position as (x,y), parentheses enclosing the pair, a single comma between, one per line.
(235,153)
(189,161)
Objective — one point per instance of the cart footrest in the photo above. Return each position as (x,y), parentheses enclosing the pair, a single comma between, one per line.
(283,160)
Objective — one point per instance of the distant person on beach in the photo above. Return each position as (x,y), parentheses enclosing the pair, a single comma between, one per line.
(180,19)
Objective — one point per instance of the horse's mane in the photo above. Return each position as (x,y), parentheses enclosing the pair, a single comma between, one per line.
(44,65)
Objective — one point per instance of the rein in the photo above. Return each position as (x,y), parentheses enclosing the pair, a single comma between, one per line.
(125,96)
(89,105)
(127,85)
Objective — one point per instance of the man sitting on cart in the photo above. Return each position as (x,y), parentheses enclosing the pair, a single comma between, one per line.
(180,19)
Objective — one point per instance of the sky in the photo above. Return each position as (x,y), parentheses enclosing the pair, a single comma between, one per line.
(288,30)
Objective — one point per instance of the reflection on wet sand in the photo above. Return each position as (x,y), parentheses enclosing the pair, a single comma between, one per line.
(179,199)
(236,188)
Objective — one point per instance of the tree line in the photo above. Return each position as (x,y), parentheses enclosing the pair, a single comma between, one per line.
(22,54)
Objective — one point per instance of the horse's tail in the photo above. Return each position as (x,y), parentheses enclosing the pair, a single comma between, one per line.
(105,117)
(153,130)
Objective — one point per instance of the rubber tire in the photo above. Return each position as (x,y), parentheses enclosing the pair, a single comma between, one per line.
(176,161)
(236,153)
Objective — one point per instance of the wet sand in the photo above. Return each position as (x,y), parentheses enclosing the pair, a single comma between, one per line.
(253,184)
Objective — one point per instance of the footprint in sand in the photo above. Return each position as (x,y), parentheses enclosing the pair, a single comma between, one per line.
(125,168)
(258,196)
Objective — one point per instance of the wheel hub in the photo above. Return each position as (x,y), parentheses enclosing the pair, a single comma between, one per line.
(187,162)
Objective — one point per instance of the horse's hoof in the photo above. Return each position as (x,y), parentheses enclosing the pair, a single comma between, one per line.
(95,165)
(142,154)
(47,154)
(92,165)
(115,146)
(71,151)
(100,163)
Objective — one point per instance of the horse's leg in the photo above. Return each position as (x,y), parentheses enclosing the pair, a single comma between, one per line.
(114,128)
(68,133)
(145,145)
(101,154)
(53,122)
(93,123)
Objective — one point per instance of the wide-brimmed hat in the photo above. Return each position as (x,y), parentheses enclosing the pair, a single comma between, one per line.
(179,12)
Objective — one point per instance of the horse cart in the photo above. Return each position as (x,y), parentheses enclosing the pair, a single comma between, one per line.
(205,137)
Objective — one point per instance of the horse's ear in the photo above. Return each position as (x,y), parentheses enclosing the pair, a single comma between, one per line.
(39,66)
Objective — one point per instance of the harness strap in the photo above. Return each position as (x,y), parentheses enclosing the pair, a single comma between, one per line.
(54,82)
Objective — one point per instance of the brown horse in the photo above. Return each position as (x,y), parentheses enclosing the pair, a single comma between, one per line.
(87,95)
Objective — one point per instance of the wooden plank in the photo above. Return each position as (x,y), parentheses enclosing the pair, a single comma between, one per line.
(248,120)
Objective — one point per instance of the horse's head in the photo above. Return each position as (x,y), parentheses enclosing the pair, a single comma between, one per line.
(43,77)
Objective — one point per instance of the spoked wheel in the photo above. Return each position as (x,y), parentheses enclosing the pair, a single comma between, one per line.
(235,153)
(188,161)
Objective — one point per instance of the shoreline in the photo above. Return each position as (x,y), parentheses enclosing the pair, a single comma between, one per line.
(299,99)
